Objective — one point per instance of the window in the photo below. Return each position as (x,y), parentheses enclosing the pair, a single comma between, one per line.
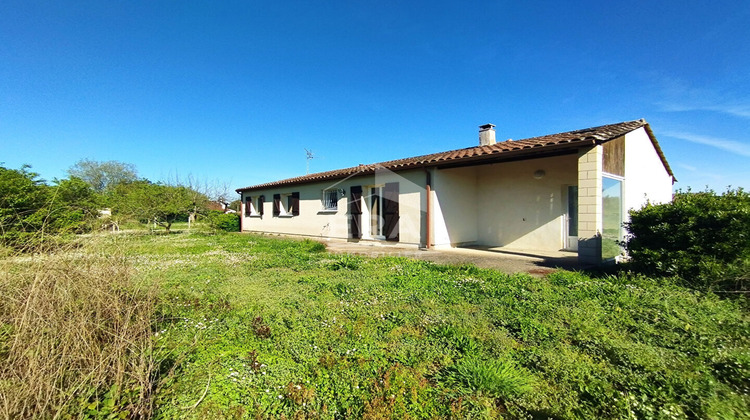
(259,208)
(383,211)
(286,204)
(612,216)
(331,200)
(249,207)
(376,212)
(254,206)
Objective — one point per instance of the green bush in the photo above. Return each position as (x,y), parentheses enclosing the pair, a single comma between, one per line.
(226,222)
(32,212)
(702,238)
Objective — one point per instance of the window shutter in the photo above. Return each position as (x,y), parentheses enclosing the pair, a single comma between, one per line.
(390,211)
(247,205)
(261,200)
(355,212)
(295,204)
(276,204)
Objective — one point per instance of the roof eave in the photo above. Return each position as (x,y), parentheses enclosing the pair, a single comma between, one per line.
(659,152)
(520,154)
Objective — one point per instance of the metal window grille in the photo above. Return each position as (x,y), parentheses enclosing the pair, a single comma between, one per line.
(330,200)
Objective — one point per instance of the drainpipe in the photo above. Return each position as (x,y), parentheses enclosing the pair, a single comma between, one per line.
(242,211)
(428,188)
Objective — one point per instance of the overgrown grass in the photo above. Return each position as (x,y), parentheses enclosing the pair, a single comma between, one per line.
(75,337)
(258,327)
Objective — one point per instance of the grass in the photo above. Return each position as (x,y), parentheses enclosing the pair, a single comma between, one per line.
(75,336)
(244,326)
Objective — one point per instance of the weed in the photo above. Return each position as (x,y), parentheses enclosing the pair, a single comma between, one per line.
(260,328)
(496,378)
(344,262)
(76,337)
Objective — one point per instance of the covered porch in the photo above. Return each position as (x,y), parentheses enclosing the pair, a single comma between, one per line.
(536,206)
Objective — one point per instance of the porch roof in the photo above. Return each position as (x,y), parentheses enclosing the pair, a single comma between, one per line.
(530,148)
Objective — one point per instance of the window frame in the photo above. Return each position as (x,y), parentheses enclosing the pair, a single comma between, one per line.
(250,209)
(260,200)
(328,205)
(286,204)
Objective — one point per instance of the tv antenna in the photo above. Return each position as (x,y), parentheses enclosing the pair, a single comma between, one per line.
(310,155)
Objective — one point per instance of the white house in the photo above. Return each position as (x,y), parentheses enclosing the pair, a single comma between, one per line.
(566,191)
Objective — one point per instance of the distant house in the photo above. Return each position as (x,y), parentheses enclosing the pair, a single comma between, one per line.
(566,191)
(219,206)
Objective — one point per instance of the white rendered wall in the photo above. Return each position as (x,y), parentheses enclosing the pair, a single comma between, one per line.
(313,221)
(518,211)
(646,179)
(454,206)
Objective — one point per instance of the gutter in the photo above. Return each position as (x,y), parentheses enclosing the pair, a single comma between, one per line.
(428,216)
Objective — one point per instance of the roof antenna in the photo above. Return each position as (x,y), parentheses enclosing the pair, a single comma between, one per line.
(310,155)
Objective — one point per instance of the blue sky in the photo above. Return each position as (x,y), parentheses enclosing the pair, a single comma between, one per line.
(234,92)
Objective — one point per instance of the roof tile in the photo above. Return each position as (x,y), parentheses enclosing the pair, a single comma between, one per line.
(601,133)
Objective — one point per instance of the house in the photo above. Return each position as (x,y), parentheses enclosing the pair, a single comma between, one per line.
(219,205)
(566,191)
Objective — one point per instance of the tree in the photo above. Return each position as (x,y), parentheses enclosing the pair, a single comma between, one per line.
(159,203)
(73,206)
(235,205)
(30,209)
(103,176)
(22,195)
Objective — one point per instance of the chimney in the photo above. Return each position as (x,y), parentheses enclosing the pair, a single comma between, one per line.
(487,134)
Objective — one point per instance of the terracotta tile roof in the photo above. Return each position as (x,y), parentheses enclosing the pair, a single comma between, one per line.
(481,154)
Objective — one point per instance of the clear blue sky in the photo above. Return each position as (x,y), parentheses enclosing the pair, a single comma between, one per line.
(235,91)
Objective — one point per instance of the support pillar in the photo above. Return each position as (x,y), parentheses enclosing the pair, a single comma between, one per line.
(590,206)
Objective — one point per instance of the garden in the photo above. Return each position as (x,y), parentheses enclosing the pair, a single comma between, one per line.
(203,325)
(169,319)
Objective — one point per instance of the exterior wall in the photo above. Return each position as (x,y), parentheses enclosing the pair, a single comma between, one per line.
(314,221)
(590,205)
(518,211)
(493,205)
(646,179)
(454,207)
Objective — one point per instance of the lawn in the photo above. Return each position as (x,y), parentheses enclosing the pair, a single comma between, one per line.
(248,326)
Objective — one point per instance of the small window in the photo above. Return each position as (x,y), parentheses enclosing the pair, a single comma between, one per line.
(259,208)
(287,198)
(253,206)
(330,200)
(286,204)
(249,208)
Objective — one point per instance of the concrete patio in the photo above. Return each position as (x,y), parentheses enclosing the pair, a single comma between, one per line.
(537,263)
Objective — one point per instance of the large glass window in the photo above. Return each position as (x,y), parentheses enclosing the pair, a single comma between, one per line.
(612,217)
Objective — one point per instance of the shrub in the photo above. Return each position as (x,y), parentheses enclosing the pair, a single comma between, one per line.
(226,222)
(701,238)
